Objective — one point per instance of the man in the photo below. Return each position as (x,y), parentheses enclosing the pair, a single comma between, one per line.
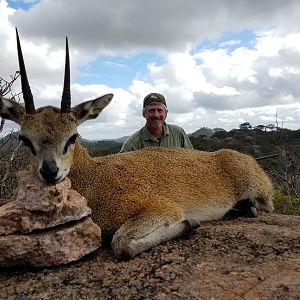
(156,132)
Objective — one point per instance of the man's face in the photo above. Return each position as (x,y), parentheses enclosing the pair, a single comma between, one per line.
(155,115)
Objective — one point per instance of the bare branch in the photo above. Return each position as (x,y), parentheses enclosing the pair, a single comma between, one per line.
(2,125)
(7,172)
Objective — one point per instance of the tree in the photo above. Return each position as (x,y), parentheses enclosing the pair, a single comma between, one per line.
(9,161)
(260,127)
(271,127)
(245,126)
(6,89)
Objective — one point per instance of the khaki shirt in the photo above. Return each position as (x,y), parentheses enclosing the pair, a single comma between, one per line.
(173,136)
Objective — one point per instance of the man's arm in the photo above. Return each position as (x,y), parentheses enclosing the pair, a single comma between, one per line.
(126,147)
(132,143)
(186,141)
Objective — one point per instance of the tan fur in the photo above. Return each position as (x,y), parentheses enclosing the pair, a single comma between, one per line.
(200,185)
(146,197)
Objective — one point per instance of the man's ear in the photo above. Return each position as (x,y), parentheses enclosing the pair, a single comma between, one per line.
(91,109)
(11,110)
(144,112)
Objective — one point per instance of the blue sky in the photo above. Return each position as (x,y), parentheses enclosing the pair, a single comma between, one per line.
(118,71)
(25,5)
(219,64)
(229,40)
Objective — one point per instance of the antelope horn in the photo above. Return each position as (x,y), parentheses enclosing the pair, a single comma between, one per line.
(66,95)
(27,95)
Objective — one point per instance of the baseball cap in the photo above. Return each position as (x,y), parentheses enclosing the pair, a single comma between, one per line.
(154,97)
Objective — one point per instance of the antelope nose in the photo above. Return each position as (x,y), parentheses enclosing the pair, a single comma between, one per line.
(49,170)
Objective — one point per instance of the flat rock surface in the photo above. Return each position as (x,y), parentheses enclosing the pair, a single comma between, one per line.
(240,258)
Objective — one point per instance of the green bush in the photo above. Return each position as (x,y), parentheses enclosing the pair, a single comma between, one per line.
(286,205)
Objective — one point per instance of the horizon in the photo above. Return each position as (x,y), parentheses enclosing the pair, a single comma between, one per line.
(123,138)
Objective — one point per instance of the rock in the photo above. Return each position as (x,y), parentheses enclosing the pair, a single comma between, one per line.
(3,201)
(56,246)
(45,224)
(39,205)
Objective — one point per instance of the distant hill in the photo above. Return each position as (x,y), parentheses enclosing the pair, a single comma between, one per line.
(205,131)
(121,139)
(101,148)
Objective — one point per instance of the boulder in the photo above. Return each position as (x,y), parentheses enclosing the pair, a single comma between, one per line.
(59,245)
(45,224)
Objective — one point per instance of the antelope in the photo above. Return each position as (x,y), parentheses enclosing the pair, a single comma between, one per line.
(142,198)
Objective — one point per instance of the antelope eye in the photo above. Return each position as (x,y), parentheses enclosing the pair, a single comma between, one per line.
(73,138)
(71,141)
(27,143)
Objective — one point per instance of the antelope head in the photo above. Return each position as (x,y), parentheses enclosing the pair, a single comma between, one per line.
(50,132)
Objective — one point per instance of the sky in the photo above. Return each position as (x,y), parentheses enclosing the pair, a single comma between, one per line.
(218,63)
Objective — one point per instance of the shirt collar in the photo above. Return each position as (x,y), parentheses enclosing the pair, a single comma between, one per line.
(146,135)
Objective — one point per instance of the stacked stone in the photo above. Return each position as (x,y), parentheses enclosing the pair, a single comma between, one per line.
(45,225)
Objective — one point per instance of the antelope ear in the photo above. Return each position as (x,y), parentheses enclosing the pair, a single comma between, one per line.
(11,110)
(91,109)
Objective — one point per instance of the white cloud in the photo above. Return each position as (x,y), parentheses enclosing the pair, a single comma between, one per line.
(204,87)
(129,26)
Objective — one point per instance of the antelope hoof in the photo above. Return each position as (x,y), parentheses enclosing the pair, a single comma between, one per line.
(191,224)
(252,212)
